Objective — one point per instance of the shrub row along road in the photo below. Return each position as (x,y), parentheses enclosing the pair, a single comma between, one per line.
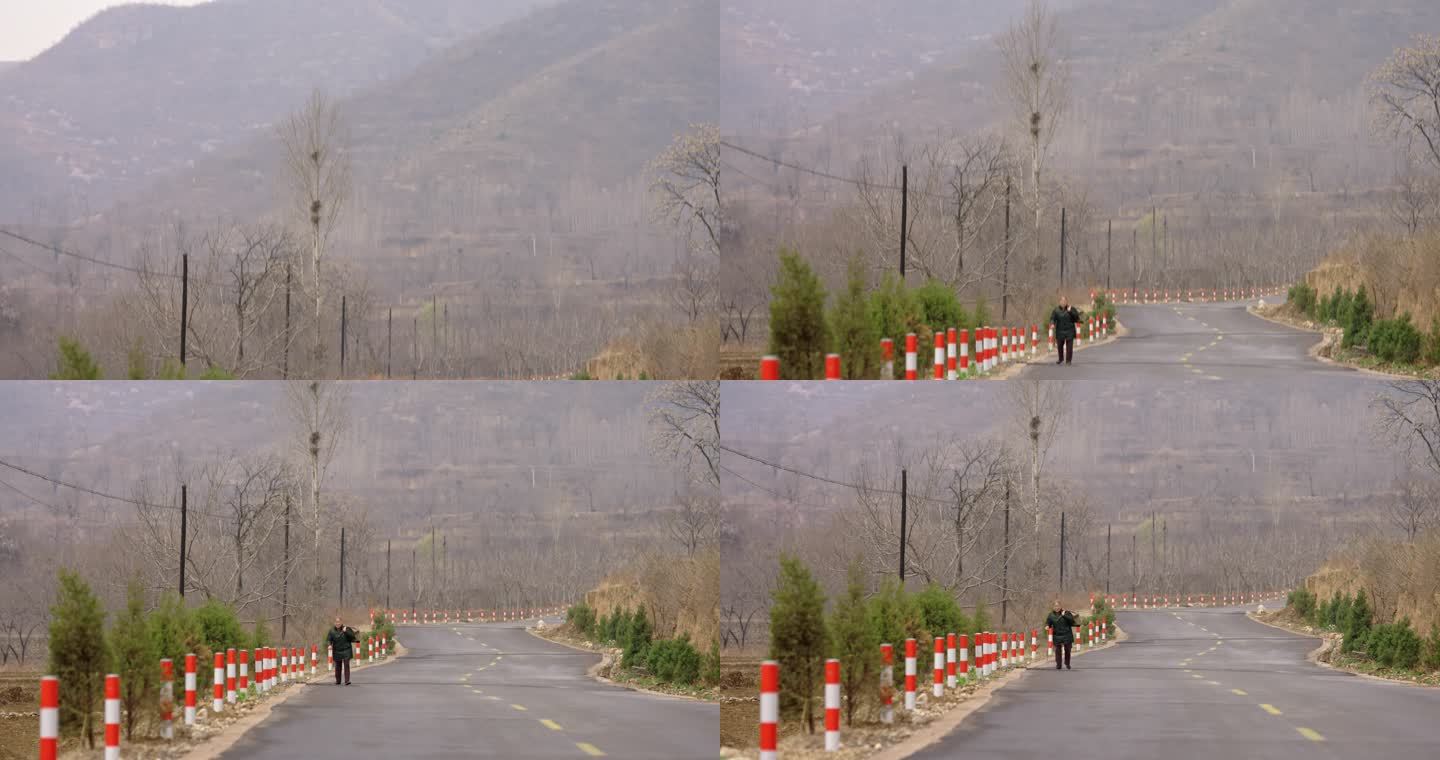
(481,690)
(1199,684)
(1206,342)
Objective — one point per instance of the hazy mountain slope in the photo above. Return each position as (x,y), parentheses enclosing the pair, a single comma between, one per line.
(140,90)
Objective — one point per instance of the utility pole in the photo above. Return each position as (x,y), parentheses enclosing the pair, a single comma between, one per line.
(1107,559)
(904,217)
(1109,239)
(1062,246)
(435,330)
(414,347)
(182,539)
(1005,571)
(1134,258)
(434,581)
(902,527)
(1154,230)
(285,579)
(184,304)
(445,584)
(342,566)
(387,575)
(414,581)
(285,360)
(389,338)
(1154,583)
(1062,552)
(1134,568)
(1005,264)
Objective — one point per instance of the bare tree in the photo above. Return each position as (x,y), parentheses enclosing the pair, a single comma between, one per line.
(318,171)
(1406,93)
(1409,416)
(256,258)
(1037,88)
(685,421)
(1415,203)
(696,523)
(686,182)
(1040,408)
(320,415)
(1413,509)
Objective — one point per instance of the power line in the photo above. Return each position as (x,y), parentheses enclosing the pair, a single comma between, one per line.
(102,262)
(824,479)
(860,183)
(94,492)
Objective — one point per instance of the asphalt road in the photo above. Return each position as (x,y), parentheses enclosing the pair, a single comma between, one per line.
(1201,684)
(481,690)
(1203,342)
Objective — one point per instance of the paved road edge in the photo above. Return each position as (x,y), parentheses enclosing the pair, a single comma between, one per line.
(940,727)
(590,673)
(1010,372)
(1326,339)
(1327,643)
(228,738)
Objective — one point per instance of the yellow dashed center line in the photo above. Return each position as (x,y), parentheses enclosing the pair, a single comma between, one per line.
(1269,709)
(1196,675)
(1213,683)
(1238,692)
(550,724)
(521,708)
(1310,733)
(590,749)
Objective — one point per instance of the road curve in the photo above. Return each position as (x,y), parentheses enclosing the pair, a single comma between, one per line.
(1203,342)
(481,690)
(1199,684)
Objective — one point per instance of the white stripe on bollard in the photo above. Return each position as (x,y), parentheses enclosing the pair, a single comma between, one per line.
(769,709)
(112,717)
(832,705)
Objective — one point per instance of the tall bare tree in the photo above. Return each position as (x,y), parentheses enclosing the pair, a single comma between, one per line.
(1413,508)
(318,171)
(1039,409)
(1037,90)
(685,421)
(1406,93)
(686,183)
(320,415)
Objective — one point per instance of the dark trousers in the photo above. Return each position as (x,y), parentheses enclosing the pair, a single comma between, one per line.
(342,666)
(1059,649)
(1066,347)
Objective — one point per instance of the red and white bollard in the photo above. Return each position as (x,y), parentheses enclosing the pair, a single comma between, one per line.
(1049,641)
(952,355)
(49,717)
(939,355)
(167,699)
(964,352)
(887,683)
(230,663)
(1052,338)
(964,651)
(189,689)
(219,705)
(244,683)
(887,359)
(910,674)
(112,717)
(1034,340)
(939,687)
(950,660)
(1034,644)
(912,345)
(832,372)
(769,368)
(832,705)
(314,659)
(329,658)
(769,709)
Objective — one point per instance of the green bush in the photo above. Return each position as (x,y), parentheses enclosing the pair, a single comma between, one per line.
(798,332)
(798,638)
(1357,318)
(74,362)
(1357,623)
(637,639)
(852,332)
(582,617)
(1302,601)
(892,312)
(1303,297)
(260,635)
(1395,340)
(674,661)
(219,628)
(853,642)
(939,307)
(711,672)
(940,613)
(174,633)
(133,651)
(78,654)
(894,616)
(1394,645)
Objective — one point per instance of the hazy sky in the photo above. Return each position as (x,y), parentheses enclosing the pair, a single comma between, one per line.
(30,26)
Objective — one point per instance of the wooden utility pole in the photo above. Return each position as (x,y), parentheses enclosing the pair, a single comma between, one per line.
(1005,263)
(183,530)
(902,527)
(285,361)
(1062,246)
(904,215)
(285,577)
